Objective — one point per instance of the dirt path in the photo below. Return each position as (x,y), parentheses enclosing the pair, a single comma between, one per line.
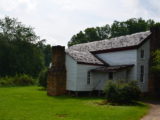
(154,113)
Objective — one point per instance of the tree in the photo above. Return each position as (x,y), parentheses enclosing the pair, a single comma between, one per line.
(47,51)
(156,61)
(43,78)
(19,52)
(78,38)
(136,25)
(130,26)
(155,55)
(90,35)
(117,29)
(103,32)
(15,30)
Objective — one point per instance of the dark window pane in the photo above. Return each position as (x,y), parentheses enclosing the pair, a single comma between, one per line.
(142,73)
(110,75)
(142,53)
(88,78)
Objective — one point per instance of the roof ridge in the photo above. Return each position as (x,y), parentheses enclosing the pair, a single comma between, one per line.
(112,38)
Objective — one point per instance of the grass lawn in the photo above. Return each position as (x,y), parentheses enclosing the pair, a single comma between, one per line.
(30,103)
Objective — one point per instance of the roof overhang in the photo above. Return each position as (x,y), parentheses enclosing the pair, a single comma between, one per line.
(85,63)
(112,68)
(114,49)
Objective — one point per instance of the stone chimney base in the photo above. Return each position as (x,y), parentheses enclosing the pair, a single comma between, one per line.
(56,83)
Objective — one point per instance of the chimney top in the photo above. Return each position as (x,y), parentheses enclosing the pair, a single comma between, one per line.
(155,28)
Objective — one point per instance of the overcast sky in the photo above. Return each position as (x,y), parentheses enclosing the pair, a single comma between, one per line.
(58,20)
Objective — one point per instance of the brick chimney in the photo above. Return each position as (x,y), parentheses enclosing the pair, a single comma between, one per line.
(56,83)
(154,78)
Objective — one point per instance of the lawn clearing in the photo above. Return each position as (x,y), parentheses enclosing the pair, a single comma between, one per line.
(30,103)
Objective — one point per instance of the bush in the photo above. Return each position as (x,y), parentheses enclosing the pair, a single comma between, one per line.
(6,81)
(18,80)
(121,92)
(23,80)
(43,78)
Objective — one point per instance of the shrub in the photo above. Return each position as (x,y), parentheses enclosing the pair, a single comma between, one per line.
(18,80)
(23,80)
(122,93)
(43,78)
(111,91)
(6,81)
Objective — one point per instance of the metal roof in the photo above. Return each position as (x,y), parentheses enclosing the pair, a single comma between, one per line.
(82,52)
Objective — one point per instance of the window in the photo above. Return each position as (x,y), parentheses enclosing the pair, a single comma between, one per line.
(110,76)
(88,78)
(142,73)
(142,53)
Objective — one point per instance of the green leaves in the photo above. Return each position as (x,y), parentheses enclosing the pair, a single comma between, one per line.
(15,30)
(122,92)
(90,34)
(156,61)
(117,29)
(19,52)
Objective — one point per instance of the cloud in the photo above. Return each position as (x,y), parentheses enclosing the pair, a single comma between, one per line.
(58,20)
(152,7)
(10,5)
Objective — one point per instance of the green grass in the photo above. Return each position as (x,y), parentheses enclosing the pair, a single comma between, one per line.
(30,103)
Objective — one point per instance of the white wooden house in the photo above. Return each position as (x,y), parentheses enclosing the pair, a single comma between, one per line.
(90,65)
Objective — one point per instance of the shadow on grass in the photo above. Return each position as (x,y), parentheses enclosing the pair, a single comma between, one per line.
(105,102)
(64,97)
(152,100)
(102,101)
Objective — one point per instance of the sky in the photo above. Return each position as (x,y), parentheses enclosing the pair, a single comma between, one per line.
(58,20)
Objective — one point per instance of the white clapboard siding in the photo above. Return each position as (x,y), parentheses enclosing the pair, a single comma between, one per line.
(125,57)
(145,62)
(71,69)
